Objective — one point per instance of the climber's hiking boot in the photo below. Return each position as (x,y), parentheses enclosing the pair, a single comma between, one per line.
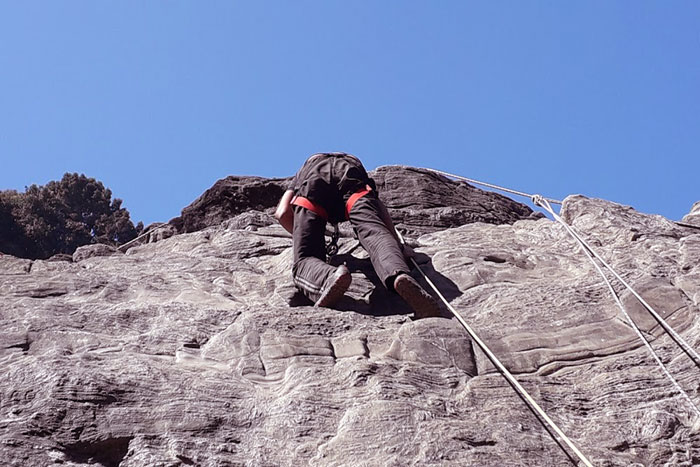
(335,287)
(423,304)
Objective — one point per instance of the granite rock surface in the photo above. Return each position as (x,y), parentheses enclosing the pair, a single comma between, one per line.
(195,349)
(693,217)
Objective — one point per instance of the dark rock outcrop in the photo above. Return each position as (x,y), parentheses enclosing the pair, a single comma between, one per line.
(419,201)
(229,197)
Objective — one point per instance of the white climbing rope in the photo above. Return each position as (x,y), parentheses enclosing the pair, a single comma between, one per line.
(502,369)
(545,203)
(521,193)
(490,185)
(539,200)
(160,226)
(590,253)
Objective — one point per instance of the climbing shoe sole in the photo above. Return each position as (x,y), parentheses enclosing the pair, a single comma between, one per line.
(423,304)
(336,286)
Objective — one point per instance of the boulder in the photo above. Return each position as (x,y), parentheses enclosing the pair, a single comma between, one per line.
(419,201)
(229,197)
(91,251)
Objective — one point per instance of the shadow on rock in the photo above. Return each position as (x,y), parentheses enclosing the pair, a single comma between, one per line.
(368,296)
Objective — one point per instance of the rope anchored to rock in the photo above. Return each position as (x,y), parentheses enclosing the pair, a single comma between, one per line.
(148,232)
(489,185)
(545,203)
(521,193)
(522,393)
(591,254)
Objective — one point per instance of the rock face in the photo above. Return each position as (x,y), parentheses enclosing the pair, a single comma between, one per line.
(89,251)
(422,202)
(195,350)
(228,197)
(693,217)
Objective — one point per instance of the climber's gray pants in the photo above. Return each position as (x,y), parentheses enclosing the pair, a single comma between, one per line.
(329,181)
(310,269)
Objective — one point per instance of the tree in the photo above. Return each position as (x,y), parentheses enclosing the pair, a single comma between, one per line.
(63,215)
(12,239)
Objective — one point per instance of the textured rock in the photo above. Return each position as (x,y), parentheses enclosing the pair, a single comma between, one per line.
(90,251)
(229,197)
(195,350)
(61,257)
(422,202)
(693,217)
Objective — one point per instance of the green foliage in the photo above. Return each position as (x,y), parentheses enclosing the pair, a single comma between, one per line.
(61,216)
(12,240)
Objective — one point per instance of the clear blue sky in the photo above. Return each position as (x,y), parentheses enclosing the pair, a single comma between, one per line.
(159,99)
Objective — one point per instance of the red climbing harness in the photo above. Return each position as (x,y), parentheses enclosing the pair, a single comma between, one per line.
(306,203)
(320,211)
(353,199)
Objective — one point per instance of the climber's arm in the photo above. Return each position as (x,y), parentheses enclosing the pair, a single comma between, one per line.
(284,212)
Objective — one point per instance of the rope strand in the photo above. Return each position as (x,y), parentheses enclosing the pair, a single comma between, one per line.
(490,185)
(590,253)
(544,203)
(521,193)
(148,232)
(533,405)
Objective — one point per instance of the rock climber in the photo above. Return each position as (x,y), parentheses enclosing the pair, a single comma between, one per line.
(334,187)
